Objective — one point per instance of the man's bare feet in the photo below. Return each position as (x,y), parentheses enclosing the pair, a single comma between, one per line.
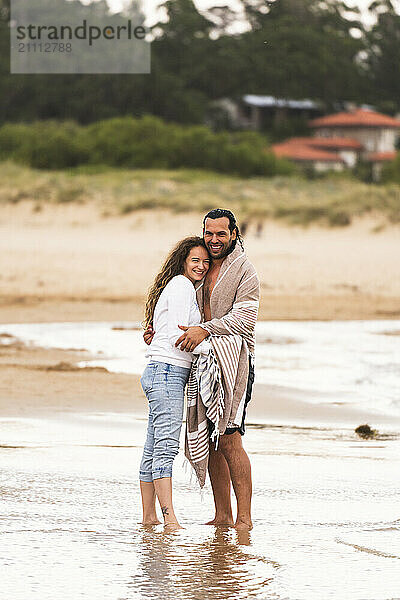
(221,521)
(243,525)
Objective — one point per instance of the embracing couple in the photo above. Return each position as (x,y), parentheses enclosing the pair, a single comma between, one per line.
(200,321)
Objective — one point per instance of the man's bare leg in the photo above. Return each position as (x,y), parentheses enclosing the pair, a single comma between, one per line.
(221,487)
(240,472)
(149,503)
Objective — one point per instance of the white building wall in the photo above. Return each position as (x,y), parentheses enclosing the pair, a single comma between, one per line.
(376,171)
(322,167)
(388,140)
(373,139)
(350,157)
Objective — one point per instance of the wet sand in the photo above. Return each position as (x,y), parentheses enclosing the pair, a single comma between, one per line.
(34,381)
(38,381)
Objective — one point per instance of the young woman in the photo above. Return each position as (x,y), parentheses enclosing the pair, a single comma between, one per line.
(171,302)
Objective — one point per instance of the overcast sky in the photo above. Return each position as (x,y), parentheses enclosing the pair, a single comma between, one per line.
(150,6)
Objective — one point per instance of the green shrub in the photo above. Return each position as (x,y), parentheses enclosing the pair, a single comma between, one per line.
(391,171)
(132,143)
(43,145)
(128,142)
(12,138)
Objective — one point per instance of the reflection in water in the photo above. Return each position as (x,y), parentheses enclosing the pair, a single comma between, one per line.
(216,568)
(153,579)
(325,513)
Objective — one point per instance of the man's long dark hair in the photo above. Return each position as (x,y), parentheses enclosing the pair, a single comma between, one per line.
(218,213)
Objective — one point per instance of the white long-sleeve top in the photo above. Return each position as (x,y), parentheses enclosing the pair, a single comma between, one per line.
(177,305)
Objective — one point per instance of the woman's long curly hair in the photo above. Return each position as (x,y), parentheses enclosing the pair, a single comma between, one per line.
(174,265)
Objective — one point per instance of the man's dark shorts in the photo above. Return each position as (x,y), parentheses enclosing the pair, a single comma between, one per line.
(250,382)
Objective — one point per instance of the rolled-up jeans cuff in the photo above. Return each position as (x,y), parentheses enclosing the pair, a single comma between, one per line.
(146,477)
(160,473)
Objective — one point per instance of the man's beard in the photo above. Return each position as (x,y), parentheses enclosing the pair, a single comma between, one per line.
(226,251)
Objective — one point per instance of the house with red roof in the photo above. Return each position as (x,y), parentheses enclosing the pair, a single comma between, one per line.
(341,140)
(303,152)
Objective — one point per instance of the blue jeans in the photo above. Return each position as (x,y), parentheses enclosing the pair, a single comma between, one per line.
(164,386)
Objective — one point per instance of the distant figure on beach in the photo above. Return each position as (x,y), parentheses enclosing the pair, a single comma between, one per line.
(221,380)
(171,302)
(244,227)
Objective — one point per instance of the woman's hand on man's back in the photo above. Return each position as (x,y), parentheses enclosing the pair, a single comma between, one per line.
(148,335)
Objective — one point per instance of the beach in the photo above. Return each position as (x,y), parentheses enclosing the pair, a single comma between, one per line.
(117,138)
(68,262)
(325,502)
(73,416)
(39,381)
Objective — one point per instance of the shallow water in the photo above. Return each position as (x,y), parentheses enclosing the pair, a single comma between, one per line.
(353,362)
(326,518)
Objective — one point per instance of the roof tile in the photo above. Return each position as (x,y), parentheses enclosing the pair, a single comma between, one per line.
(380,156)
(357,118)
(303,152)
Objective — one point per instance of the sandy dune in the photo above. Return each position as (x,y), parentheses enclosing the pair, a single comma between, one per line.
(67,262)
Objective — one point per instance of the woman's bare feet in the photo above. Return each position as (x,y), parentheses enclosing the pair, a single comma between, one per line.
(153,521)
(173,526)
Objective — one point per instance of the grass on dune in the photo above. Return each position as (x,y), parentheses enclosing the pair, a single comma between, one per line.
(333,201)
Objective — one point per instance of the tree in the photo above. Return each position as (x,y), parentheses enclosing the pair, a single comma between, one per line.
(301,48)
(384,55)
(293,48)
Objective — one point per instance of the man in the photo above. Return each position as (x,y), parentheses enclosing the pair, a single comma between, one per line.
(230,294)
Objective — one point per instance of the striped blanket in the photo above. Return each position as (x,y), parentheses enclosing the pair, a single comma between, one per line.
(218,379)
